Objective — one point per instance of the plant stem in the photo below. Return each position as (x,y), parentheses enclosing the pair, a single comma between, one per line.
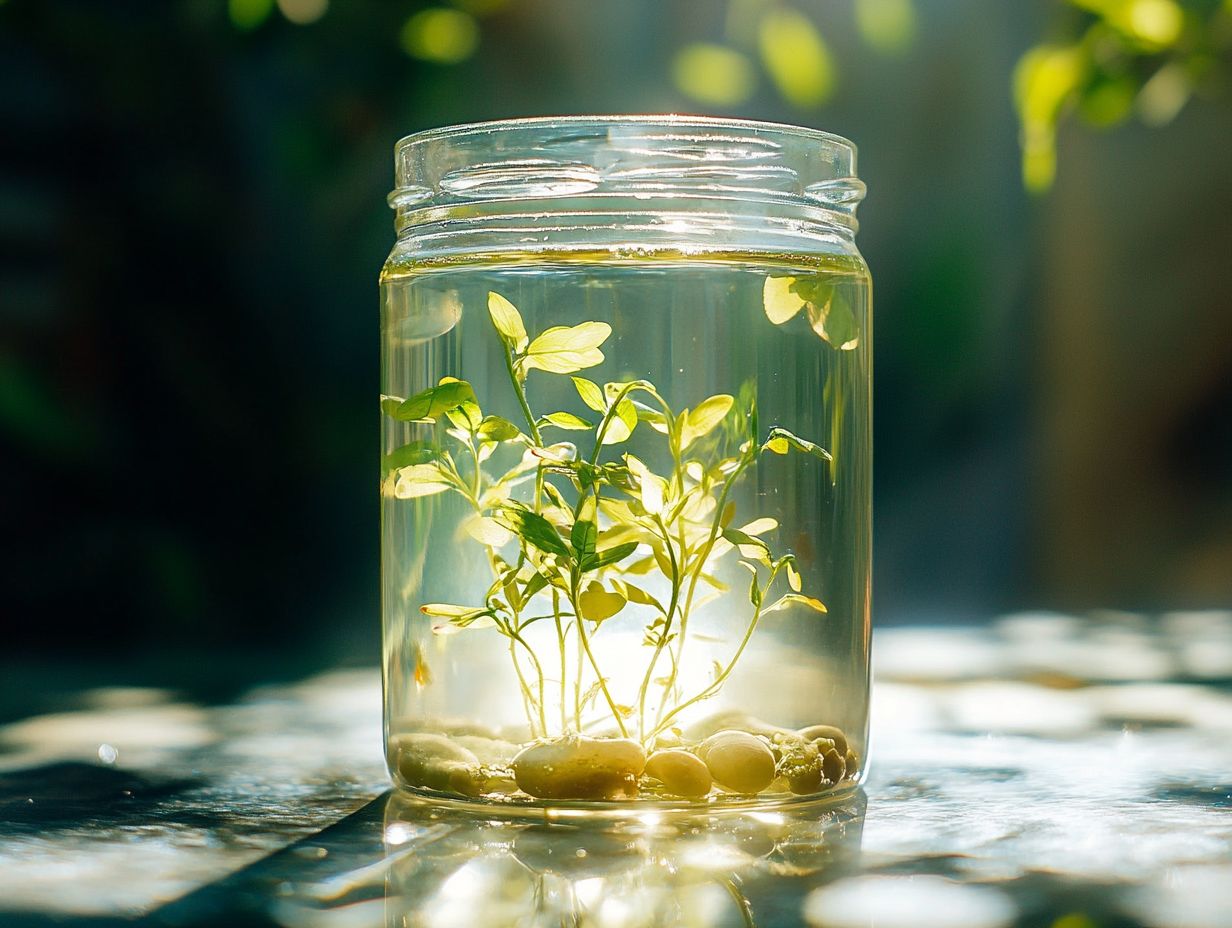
(671,610)
(528,699)
(521,394)
(560,640)
(716,684)
(585,639)
(695,575)
(515,636)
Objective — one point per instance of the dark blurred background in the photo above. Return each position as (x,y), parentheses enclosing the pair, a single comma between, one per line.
(192,219)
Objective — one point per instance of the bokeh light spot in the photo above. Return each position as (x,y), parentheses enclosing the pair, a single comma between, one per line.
(303,12)
(248,14)
(887,25)
(713,74)
(440,35)
(1156,22)
(794,53)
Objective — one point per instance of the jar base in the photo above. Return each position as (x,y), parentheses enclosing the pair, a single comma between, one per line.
(565,811)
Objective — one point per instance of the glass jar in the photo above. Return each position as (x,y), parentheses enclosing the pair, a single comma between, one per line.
(626,470)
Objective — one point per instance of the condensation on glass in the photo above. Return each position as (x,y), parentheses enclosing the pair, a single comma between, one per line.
(626,460)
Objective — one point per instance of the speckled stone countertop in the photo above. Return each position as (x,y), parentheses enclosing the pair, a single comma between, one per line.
(1041,771)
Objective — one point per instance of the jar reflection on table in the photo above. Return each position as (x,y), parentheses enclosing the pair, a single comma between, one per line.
(449,868)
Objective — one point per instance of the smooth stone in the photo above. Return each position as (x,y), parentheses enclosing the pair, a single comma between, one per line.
(578,767)
(436,762)
(729,720)
(681,773)
(813,732)
(494,751)
(738,761)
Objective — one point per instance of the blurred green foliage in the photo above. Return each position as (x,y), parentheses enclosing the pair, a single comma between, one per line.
(1105,61)
(1111,59)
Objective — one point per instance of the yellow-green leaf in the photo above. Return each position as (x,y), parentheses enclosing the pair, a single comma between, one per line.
(709,413)
(420,480)
(796,598)
(622,423)
(565,349)
(652,488)
(780,301)
(834,321)
(508,321)
(486,531)
(598,604)
(760,526)
(590,393)
(567,420)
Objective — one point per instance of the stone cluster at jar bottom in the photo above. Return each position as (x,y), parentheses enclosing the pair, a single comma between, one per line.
(729,753)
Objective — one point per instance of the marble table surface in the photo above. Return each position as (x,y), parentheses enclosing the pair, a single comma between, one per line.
(1043,770)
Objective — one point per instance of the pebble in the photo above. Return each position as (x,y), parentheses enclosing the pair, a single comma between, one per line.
(738,761)
(437,762)
(732,720)
(813,732)
(578,767)
(682,773)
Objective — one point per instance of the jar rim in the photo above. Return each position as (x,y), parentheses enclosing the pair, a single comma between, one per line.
(665,120)
(697,160)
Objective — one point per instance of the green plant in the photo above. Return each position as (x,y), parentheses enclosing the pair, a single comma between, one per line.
(566,555)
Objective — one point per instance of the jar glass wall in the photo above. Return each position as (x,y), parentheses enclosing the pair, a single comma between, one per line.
(625,483)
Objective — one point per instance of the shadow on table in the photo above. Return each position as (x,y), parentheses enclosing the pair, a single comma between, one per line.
(401,862)
(75,795)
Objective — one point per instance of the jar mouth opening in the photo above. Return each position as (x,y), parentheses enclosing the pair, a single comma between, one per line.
(645,158)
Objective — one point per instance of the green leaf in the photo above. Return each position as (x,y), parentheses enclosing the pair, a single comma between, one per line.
(466,416)
(566,420)
(448,611)
(565,349)
(494,428)
(652,417)
(421,480)
(609,556)
(597,604)
(796,598)
(390,404)
(651,488)
(508,321)
(536,583)
(780,440)
(621,424)
(780,300)
(708,414)
(635,594)
(435,401)
(417,452)
(834,321)
(793,577)
(459,617)
(590,393)
(533,529)
(754,588)
(485,531)
(583,537)
(743,539)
